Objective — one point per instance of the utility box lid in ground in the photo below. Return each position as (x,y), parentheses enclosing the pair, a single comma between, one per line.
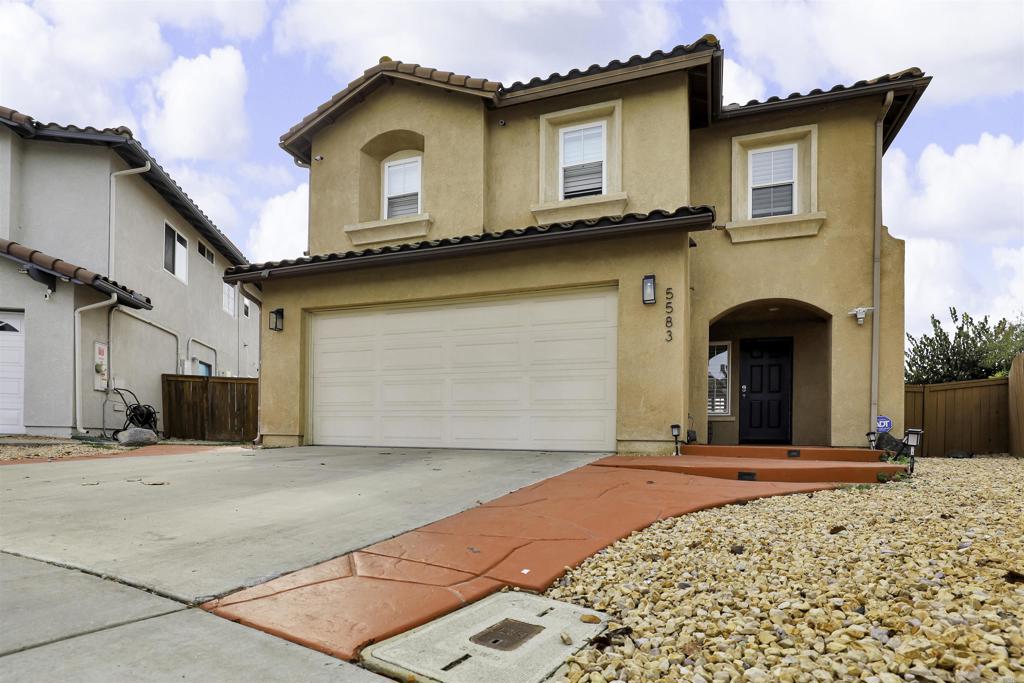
(509,637)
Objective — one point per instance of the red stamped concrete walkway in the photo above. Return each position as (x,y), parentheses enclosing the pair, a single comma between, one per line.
(525,539)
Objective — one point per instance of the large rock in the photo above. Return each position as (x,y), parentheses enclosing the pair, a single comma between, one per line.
(136,436)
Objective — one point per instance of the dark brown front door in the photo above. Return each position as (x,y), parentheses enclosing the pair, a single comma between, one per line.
(766,390)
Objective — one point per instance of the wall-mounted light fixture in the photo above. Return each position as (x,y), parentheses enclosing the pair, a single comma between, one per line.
(277,319)
(676,431)
(648,289)
(861,312)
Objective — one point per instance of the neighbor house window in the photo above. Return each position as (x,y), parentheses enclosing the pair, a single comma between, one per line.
(245,308)
(228,299)
(204,369)
(402,187)
(582,160)
(772,181)
(175,253)
(205,252)
(718,378)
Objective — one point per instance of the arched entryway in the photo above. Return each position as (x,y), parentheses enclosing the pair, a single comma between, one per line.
(769,373)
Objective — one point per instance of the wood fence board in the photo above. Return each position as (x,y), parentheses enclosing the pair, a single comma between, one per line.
(210,408)
(972,416)
(1015,406)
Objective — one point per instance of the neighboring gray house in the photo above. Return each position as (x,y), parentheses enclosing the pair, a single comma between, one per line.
(102,252)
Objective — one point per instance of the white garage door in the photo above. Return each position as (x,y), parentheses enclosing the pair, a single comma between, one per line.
(12,372)
(533,372)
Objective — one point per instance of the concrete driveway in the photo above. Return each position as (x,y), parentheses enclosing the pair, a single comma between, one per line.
(191,527)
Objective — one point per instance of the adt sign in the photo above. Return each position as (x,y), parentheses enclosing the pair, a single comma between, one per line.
(883,424)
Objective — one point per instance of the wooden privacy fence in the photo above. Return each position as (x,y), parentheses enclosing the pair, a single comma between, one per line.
(971,416)
(210,408)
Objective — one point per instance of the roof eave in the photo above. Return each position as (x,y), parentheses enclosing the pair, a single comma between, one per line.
(700,218)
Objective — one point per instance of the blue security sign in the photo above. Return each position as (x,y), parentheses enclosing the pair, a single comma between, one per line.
(883,424)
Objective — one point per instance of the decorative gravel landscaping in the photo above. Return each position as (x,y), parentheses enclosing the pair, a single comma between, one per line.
(46,448)
(916,580)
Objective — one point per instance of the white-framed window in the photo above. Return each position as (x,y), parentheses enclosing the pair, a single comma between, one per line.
(402,196)
(582,152)
(203,368)
(719,377)
(205,252)
(245,307)
(175,253)
(228,299)
(772,181)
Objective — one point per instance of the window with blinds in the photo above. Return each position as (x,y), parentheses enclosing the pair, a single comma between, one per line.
(582,155)
(402,188)
(718,378)
(772,181)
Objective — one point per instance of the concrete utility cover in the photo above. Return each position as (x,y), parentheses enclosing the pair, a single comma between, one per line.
(506,638)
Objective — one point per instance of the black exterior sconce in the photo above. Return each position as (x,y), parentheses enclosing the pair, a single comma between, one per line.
(648,289)
(277,319)
(676,431)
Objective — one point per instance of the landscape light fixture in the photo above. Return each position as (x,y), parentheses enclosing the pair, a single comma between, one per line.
(676,431)
(277,319)
(648,289)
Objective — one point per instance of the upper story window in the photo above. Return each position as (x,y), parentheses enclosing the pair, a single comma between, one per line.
(582,154)
(402,182)
(228,299)
(205,252)
(245,307)
(772,181)
(175,253)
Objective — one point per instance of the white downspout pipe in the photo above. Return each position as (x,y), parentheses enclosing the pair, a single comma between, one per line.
(111,212)
(112,301)
(876,262)
(188,352)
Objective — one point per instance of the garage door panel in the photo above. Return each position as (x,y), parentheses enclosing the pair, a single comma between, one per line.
(532,372)
(340,393)
(339,360)
(427,394)
(470,392)
(412,355)
(12,372)
(487,352)
(592,390)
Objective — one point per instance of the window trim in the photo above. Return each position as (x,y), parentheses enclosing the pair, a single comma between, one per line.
(795,204)
(602,124)
(418,158)
(183,278)
(728,378)
(209,256)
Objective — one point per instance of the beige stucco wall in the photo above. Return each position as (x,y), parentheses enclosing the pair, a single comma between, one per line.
(479,175)
(651,386)
(831,270)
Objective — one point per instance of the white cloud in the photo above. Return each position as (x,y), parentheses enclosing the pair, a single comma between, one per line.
(972,48)
(740,84)
(70,62)
(214,193)
(281,231)
(501,41)
(976,192)
(196,107)
(1009,276)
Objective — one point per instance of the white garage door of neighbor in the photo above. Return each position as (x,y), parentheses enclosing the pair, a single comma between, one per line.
(12,372)
(534,372)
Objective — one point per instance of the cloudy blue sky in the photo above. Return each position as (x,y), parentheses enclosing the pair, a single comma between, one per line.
(209,87)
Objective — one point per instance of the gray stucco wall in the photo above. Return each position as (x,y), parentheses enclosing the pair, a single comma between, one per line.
(63,198)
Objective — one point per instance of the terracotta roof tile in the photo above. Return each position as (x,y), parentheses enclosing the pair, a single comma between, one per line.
(905,75)
(28,256)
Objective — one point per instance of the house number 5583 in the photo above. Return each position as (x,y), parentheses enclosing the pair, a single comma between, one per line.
(669,310)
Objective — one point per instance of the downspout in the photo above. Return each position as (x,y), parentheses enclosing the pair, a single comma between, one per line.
(188,352)
(111,213)
(876,264)
(112,301)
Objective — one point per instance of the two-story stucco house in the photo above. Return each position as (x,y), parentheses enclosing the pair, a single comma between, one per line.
(584,260)
(110,275)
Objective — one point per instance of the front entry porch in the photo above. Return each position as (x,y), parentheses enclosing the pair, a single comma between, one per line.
(769,369)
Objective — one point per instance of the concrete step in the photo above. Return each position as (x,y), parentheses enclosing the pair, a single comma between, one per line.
(761,469)
(784,452)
